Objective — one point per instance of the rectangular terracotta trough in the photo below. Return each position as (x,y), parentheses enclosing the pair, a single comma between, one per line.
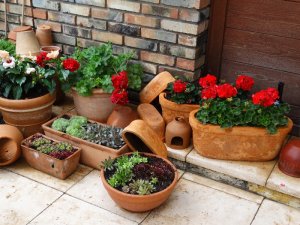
(92,154)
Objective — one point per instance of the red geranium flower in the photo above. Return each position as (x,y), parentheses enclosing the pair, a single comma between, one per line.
(244,82)
(266,97)
(207,81)
(120,80)
(226,91)
(179,86)
(119,96)
(41,58)
(209,93)
(71,64)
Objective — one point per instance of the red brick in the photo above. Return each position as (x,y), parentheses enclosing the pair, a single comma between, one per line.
(107,36)
(159,35)
(191,65)
(141,20)
(124,5)
(157,58)
(159,10)
(40,13)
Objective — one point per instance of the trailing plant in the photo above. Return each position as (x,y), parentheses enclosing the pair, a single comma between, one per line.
(232,105)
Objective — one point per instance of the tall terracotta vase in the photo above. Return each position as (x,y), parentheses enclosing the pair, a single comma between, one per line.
(44,35)
(27,114)
(96,107)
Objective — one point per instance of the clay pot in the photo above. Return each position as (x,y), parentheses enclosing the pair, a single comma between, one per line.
(289,161)
(12,35)
(44,35)
(10,141)
(50,48)
(140,203)
(122,116)
(48,164)
(27,44)
(237,143)
(178,134)
(156,86)
(96,107)
(171,110)
(152,117)
(140,137)
(27,114)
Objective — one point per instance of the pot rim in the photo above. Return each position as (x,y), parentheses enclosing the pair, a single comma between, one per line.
(238,130)
(19,104)
(172,105)
(170,187)
(95,91)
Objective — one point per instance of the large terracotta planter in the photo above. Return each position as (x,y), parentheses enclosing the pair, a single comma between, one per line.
(171,110)
(140,203)
(237,143)
(27,114)
(10,142)
(96,107)
(289,160)
(92,154)
(48,164)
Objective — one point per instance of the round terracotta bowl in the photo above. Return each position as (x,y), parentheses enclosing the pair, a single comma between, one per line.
(10,142)
(140,203)
(48,49)
(289,161)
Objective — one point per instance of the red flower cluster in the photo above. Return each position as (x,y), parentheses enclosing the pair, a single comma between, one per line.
(244,82)
(207,81)
(71,64)
(209,93)
(41,58)
(120,83)
(266,97)
(120,80)
(179,86)
(226,91)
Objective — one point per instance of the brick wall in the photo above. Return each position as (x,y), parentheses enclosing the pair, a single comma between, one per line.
(164,34)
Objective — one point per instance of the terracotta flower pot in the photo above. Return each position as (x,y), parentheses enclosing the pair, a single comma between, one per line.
(27,114)
(140,203)
(27,43)
(44,35)
(10,142)
(237,143)
(171,110)
(12,35)
(96,107)
(122,116)
(50,48)
(289,161)
(48,164)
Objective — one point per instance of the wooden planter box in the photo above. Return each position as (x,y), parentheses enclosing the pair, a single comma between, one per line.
(92,154)
(48,164)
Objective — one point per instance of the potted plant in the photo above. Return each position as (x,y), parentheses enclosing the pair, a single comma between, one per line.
(234,125)
(59,159)
(139,182)
(181,97)
(97,141)
(92,87)
(27,88)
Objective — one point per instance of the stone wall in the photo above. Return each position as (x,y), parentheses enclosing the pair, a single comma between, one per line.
(164,34)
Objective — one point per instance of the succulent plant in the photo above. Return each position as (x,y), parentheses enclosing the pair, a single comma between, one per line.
(46,148)
(78,121)
(60,124)
(76,131)
(39,142)
(64,146)
(140,187)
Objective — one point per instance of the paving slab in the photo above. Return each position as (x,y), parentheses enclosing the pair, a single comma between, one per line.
(91,189)
(71,211)
(283,183)
(273,213)
(179,154)
(22,199)
(192,203)
(255,172)
(22,168)
(223,187)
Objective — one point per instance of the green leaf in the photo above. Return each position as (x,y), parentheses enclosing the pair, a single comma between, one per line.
(7,90)
(17,92)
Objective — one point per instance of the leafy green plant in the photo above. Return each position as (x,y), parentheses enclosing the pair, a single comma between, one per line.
(40,141)
(64,146)
(98,64)
(78,121)
(75,131)
(60,124)
(140,187)
(8,46)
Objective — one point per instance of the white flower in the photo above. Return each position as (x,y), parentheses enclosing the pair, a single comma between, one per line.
(30,70)
(53,54)
(4,55)
(9,63)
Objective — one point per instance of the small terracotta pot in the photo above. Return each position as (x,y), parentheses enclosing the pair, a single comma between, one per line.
(96,107)
(12,35)
(49,48)
(289,161)
(27,44)
(140,203)
(152,117)
(156,86)
(10,142)
(44,35)
(140,137)
(122,116)
(237,143)
(27,114)
(178,134)
(171,110)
